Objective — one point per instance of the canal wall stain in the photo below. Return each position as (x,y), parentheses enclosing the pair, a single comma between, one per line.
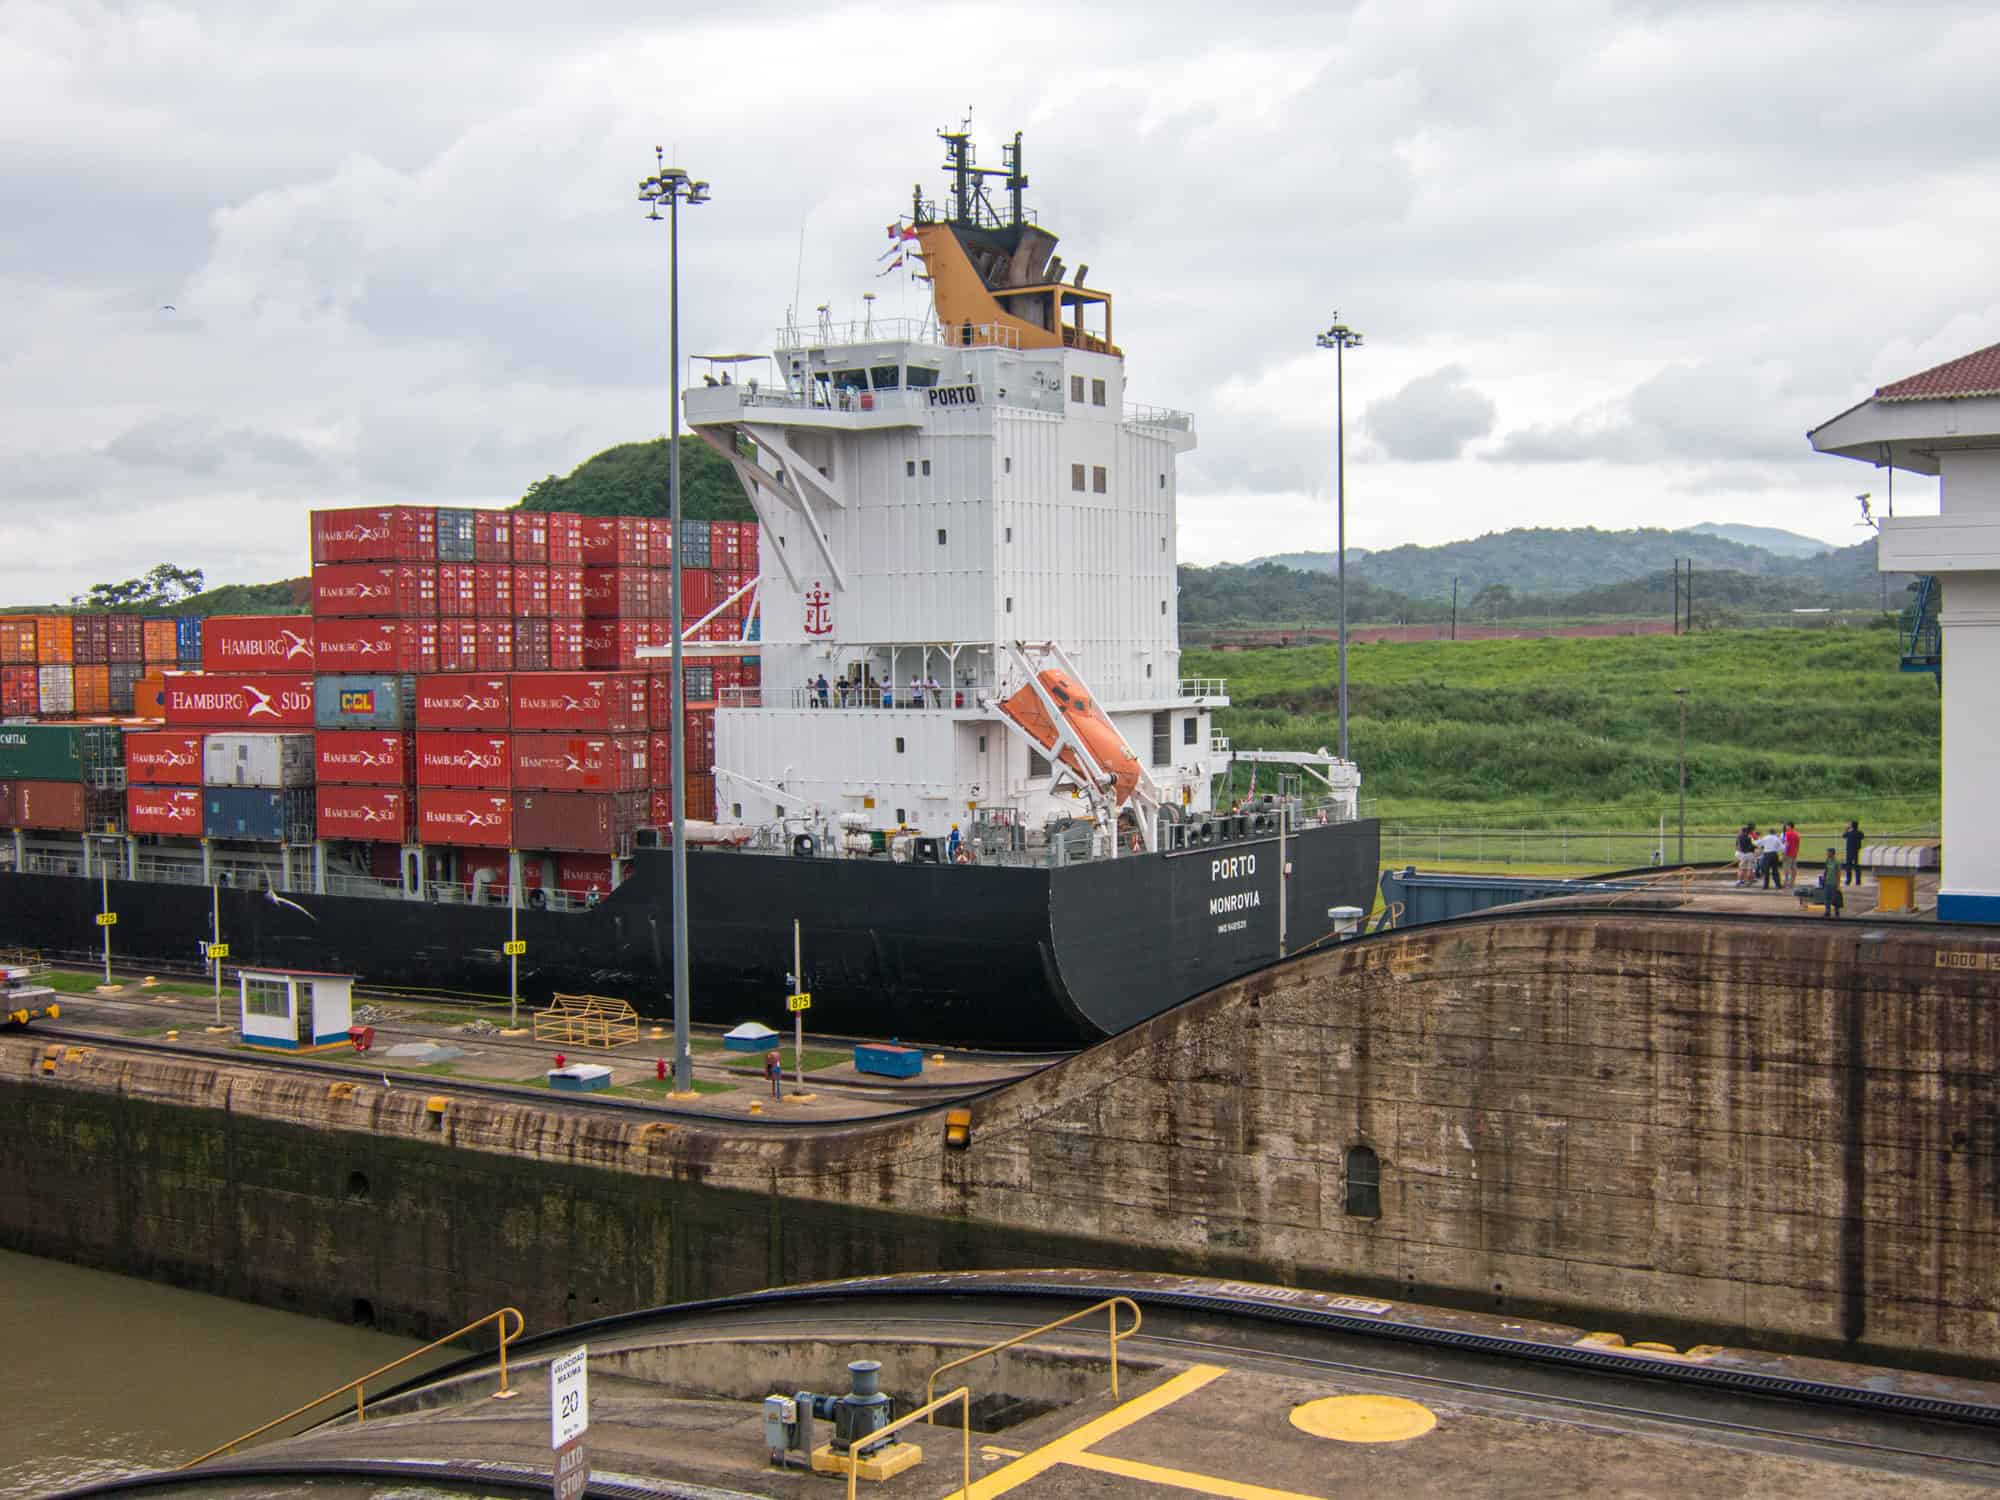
(1776,1133)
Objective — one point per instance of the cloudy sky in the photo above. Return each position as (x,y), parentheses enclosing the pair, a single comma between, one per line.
(1611,260)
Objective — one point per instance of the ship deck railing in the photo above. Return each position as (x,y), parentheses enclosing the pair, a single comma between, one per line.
(943,698)
(1204,687)
(899,331)
(1138,415)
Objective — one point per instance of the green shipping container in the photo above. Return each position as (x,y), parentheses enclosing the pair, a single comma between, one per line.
(89,753)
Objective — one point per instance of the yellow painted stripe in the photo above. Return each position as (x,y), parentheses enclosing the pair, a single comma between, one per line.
(1206,1484)
(1066,1448)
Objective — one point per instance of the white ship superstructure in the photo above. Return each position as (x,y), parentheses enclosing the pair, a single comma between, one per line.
(940,501)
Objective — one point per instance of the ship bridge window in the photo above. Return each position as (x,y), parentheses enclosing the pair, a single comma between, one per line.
(850,380)
(885,377)
(920,376)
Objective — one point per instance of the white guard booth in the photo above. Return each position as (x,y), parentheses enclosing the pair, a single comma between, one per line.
(295,1009)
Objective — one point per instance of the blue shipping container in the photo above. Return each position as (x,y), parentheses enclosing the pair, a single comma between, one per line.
(187,638)
(257,815)
(455,535)
(364,700)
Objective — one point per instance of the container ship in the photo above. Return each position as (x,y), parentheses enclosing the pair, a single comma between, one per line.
(932,712)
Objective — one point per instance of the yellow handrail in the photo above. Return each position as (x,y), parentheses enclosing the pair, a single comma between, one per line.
(962,1394)
(1111,1302)
(357,1385)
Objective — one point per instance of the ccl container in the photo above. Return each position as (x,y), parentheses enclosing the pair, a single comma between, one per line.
(233,701)
(187,639)
(581,762)
(455,535)
(398,590)
(581,702)
(56,689)
(17,641)
(126,638)
(493,646)
(614,645)
(493,536)
(465,700)
(446,815)
(90,640)
(614,541)
(365,814)
(387,533)
(124,676)
(271,762)
(467,758)
(159,641)
(93,753)
(579,822)
(458,590)
(20,692)
(168,811)
(531,645)
(163,757)
(493,590)
(531,591)
(458,645)
(257,643)
(365,700)
(257,814)
(398,646)
(92,687)
(363,757)
(49,806)
(55,640)
(565,591)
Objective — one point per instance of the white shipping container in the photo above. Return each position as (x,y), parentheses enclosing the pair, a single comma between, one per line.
(271,761)
(58,689)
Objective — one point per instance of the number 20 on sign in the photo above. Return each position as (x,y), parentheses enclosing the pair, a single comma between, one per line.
(569,1396)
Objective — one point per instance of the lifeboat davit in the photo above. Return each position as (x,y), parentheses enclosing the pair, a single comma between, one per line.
(1085,720)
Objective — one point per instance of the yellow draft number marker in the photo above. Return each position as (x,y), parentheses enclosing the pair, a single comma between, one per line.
(1364,1419)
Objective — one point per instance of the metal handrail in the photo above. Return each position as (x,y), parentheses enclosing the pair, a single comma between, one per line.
(357,1385)
(1110,1302)
(962,1394)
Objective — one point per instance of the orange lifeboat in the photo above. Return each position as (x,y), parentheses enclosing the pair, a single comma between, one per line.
(1085,720)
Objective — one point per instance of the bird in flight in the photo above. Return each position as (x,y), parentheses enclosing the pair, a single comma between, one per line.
(167,307)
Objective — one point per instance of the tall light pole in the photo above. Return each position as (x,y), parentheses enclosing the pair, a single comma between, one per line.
(672,185)
(1340,338)
(1682,695)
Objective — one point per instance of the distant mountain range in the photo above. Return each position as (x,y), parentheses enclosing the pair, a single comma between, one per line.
(1394,566)
(1770,538)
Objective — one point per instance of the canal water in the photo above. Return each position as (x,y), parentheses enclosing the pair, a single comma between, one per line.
(103,1374)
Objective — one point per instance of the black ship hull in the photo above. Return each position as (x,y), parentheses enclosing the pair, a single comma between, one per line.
(1028,959)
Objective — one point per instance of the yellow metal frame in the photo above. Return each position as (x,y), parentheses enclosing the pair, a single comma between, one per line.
(588,1021)
(359,1384)
(963,1395)
(1113,1303)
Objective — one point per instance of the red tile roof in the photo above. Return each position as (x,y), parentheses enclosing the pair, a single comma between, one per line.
(1975,374)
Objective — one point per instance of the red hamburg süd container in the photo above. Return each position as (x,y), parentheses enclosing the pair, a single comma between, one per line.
(57,806)
(126,638)
(614,541)
(578,702)
(397,590)
(231,701)
(701,796)
(360,757)
(398,646)
(580,874)
(724,544)
(620,593)
(458,590)
(612,645)
(727,585)
(581,762)
(493,536)
(458,645)
(365,814)
(565,537)
(257,643)
(164,810)
(565,645)
(465,700)
(531,591)
(531,645)
(448,815)
(660,704)
(698,595)
(659,532)
(495,646)
(698,735)
(164,758)
(388,533)
(565,591)
(530,543)
(493,590)
(464,758)
(581,822)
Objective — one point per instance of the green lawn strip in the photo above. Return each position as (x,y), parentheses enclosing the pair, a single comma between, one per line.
(76,982)
(815,1059)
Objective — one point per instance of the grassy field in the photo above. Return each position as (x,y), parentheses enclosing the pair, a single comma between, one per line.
(1817,726)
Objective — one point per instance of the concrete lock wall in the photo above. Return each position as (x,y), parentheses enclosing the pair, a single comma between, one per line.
(1776,1134)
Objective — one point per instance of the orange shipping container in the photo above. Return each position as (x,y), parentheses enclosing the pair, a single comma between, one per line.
(93,690)
(55,640)
(159,642)
(17,640)
(149,697)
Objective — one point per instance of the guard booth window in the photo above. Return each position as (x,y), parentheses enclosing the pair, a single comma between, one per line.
(266,997)
(1163,739)
(1364,1183)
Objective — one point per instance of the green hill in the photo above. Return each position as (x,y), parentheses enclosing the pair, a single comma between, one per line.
(631,480)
